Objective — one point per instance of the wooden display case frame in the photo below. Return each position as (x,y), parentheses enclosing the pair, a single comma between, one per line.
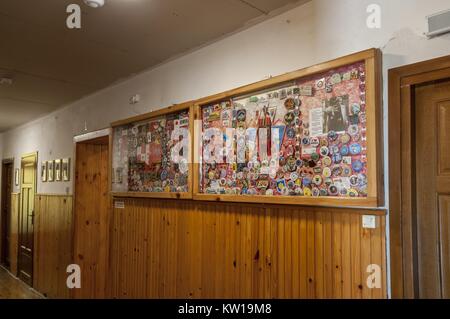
(375,194)
(188,106)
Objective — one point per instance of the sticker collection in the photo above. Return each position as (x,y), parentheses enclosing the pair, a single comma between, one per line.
(307,138)
(151,156)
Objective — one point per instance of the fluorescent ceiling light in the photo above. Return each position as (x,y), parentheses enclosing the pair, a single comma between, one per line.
(95,3)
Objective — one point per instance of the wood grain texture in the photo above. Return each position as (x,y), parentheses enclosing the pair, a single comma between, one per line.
(188,249)
(91,218)
(53,244)
(401,108)
(14,226)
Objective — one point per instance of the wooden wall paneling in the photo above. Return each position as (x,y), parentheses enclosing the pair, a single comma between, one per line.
(187,249)
(319,261)
(328,255)
(14,236)
(365,257)
(356,258)
(53,231)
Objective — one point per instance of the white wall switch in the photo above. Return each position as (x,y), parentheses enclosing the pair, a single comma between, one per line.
(369,221)
(119,205)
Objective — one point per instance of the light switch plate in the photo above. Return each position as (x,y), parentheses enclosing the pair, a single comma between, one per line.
(119,204)
(369,221)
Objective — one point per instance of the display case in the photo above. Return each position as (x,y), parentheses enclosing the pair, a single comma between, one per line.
(151,154)
(310,137)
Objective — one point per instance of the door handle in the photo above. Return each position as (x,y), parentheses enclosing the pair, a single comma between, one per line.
(32,217)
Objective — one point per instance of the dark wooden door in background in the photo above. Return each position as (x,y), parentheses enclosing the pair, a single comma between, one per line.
(432,119)
(7,176)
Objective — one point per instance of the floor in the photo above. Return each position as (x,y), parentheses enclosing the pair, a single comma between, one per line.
(12,288)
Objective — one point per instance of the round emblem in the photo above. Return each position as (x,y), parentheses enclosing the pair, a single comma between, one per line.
(241,115)
(355,149)
(305,141)
(336,171)
(353,129)
(324,151)
(317,180)
(362,180)
(352,192)
(326,172)
(346,171)
(344,150)
(315,157)
(345,138)
(289,103)
(326,161)
(289,118)
(333,190)
(290,133)
(357,166)
(307,191)
(315,192)
(334,149)
(315,142)
(332,135)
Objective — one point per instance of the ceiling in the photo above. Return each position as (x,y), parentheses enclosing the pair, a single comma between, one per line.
(52,65)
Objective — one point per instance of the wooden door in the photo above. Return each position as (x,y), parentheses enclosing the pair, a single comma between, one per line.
(432,119)
(26,218)
(91,240)
(7,176)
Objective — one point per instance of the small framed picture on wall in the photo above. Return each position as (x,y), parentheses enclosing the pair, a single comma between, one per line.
(50,171)
(58,170)
(17,177)
(44,171)
(66,169)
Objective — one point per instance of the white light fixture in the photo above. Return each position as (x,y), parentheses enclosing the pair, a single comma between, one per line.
(6,81)
(95,3)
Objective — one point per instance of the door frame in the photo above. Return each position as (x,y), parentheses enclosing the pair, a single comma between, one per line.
(95,137)
(402,81)
(3,225)
(19,239)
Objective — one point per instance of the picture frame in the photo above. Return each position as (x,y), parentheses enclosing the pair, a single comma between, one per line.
(304,83)
(44,171)
(50,171)
(140,145)
(65,168)
(17,177)
(58,176)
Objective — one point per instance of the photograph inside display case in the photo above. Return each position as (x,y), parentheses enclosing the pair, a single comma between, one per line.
(305,138)
(151,156)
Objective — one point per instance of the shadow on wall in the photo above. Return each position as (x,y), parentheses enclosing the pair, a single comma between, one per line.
(406,40)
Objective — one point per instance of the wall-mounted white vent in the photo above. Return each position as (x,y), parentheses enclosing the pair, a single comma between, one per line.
(438,23)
